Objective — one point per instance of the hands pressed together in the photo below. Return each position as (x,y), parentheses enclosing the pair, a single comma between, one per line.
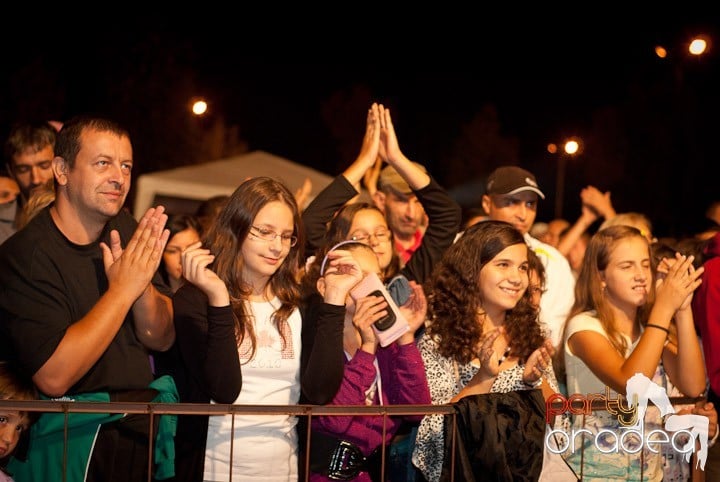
(487,356)
(538,362)
(676,282)
(535,366)
(133,268)
(379,145)
(415,308)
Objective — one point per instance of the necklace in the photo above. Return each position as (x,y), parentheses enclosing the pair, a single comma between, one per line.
(505,355)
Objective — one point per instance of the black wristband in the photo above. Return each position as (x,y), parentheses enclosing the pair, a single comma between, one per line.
(652,325)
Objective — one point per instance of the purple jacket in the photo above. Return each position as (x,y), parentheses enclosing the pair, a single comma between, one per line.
(403,382)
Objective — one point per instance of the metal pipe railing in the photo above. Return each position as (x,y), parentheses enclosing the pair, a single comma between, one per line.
(157,409)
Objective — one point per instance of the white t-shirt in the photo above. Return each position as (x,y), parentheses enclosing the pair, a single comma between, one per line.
(559,296)
(596,465)
(264,446)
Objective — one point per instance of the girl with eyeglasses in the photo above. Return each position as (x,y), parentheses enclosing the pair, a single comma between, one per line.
(375,373)
(244,338)
(332,217)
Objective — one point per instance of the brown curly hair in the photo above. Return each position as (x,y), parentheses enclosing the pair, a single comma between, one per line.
(455,296)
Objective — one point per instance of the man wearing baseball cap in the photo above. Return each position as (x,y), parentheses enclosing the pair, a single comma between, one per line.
(512,195)
(403,210)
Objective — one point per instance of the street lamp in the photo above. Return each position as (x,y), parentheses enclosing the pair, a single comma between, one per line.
(682,61)
(697,46)
(570,148)
(198,106)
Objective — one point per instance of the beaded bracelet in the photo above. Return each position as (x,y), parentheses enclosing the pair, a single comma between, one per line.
(652,325)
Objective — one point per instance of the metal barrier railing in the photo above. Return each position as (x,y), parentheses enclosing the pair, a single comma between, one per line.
(309,411)
(157,409)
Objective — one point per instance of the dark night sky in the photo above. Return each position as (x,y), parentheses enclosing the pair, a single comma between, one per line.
(546,80)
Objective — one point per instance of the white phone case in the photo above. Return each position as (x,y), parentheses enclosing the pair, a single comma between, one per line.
(371,284)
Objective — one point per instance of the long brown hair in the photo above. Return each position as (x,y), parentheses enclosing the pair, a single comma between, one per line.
(455,295)
(225,238)
(589,292)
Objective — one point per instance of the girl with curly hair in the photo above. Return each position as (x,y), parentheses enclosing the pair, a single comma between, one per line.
(483,334)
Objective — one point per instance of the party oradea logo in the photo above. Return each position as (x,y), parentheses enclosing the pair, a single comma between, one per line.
(682,431)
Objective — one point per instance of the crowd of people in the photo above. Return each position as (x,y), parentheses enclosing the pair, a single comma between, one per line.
(255,300)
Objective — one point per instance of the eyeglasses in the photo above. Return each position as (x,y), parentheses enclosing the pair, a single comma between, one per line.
(269,235)
(381,235)
(536,290)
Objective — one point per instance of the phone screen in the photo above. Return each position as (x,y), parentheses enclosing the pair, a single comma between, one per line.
(386,321)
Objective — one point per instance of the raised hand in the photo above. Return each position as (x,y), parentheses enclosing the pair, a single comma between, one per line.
(341,274)
(389,147)
(302,194)
(486,354)
(588,214)
(537,362)
(675,290)
(368,310)
(371,142)
(598,201)
(371,176)
(415,308)
(131,269)
(483,379)
(195,261)
(369,150)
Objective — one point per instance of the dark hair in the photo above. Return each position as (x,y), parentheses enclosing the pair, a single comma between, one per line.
(535,264)
(28,135)
(339,230)
(225,238)
(209,209)
(68,139)
(455,298)
(13,386)
(177,223)
(180,222)
(472,214)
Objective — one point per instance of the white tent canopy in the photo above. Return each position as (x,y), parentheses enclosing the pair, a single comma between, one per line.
(203,181)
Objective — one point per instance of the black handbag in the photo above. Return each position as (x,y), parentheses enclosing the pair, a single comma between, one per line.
(498,437)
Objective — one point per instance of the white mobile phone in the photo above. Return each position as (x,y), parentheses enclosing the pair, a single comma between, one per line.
(390,327)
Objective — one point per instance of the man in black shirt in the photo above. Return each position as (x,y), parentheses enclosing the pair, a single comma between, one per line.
(81,301)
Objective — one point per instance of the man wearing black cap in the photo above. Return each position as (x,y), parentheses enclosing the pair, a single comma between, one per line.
(512,195)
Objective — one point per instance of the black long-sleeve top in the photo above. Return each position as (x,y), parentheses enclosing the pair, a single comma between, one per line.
(206,365)
(444,218)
